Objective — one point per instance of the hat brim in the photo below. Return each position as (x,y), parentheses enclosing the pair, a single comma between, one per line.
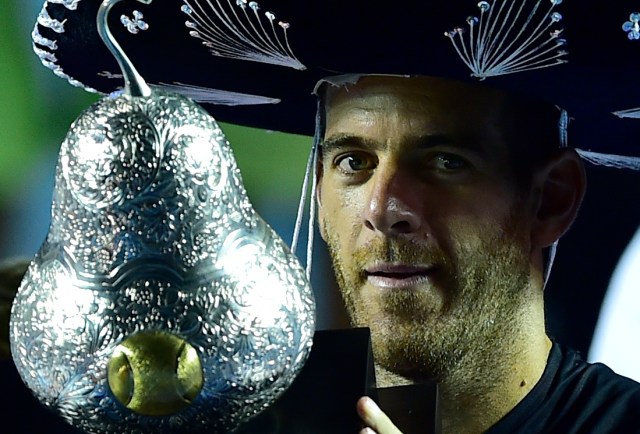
(334,37)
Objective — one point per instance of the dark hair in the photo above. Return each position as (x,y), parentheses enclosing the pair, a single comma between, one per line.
(532,132)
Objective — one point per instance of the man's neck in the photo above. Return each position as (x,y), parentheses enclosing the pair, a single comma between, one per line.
(473,410)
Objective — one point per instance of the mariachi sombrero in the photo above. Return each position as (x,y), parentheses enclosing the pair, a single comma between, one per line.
(264,58)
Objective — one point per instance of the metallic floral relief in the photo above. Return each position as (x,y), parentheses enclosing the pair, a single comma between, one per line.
(152,231)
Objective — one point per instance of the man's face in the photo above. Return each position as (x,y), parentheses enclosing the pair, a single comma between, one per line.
(428,237)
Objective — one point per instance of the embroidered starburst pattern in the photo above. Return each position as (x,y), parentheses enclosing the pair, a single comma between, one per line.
(510,36)
(237,29)
(632,27)
(135,24)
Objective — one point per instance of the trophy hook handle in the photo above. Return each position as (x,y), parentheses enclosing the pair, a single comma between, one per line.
(134,83)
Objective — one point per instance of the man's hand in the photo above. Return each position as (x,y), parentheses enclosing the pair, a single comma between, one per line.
(375,420)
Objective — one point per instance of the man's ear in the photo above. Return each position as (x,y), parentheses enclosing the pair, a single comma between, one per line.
(562,183)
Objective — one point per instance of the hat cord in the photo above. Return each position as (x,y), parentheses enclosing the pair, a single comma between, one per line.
(309,173)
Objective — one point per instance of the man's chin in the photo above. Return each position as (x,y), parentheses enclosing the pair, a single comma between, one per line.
(401,357)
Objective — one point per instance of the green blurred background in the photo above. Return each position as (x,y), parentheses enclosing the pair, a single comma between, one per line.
(36,110)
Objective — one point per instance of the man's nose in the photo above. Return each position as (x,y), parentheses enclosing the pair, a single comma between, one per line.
(393,206)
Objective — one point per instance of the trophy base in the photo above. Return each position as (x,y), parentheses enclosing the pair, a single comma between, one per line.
(321,400)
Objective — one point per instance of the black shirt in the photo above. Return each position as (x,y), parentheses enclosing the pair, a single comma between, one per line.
(575,397)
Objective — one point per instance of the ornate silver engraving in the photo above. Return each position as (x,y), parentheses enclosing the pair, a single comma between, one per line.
(152,230)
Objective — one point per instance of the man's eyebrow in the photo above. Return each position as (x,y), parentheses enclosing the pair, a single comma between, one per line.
(462,143)
(432,140)
(341,141)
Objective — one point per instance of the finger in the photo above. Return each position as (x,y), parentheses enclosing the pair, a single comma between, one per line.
(375,418)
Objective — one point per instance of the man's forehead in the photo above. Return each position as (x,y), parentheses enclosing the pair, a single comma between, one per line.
(422,105)
(406,110)
(447,106)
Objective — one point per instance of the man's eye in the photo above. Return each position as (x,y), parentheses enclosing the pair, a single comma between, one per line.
(354,163)
(448,162)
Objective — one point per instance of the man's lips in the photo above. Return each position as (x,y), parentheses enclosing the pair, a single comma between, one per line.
(398,276)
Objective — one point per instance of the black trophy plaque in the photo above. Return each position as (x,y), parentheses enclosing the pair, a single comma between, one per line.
(322,399)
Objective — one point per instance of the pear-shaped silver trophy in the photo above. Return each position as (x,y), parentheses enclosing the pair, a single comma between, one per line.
(160,301)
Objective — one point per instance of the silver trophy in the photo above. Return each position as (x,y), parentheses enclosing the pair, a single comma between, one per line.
(160,301)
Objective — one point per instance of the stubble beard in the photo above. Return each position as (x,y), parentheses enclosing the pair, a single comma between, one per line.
(458,340)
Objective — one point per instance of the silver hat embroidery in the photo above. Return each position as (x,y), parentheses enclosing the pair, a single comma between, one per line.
(507,38)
